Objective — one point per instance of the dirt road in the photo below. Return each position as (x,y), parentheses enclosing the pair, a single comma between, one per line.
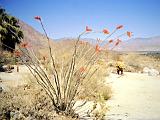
(15,78)
(135,97)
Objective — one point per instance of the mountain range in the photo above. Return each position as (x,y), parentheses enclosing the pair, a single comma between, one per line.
(39,41)
(140,44)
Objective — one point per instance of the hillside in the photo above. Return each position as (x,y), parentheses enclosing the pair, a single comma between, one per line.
(38,41)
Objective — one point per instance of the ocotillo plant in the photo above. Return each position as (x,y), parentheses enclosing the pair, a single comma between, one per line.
(62,82)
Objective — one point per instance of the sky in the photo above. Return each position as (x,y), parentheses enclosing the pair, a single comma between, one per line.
(67,18)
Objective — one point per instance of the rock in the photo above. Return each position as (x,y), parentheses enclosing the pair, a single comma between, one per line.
(146,70)
(1,68)
(4,67)
(8,115)
(15,115)
(1,89)
(153,72)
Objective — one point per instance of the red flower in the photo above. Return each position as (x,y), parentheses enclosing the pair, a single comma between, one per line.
(17,53)
(110,41)
(98,49)
(105,31)
(82,69)
(24,44)
(37,18)
(119,27)
(88,29)
(129,34)
(118,41)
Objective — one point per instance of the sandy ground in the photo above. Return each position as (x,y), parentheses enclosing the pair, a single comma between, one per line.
(15,78)
(135,97)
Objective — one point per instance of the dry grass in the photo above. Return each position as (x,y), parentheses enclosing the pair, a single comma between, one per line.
(134,62)
(28,101)
(31,101)
(95,87)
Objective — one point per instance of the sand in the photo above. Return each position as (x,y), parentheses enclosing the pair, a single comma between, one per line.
(136,96)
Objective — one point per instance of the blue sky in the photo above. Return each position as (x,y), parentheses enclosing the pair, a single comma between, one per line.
(66,18)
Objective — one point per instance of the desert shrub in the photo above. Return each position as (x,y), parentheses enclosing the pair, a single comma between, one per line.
(27,103)
(93,88)
(7,58)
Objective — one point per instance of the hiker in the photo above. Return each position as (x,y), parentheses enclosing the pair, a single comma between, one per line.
(120,67)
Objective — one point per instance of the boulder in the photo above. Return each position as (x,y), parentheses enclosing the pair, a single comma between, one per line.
(150,72)
(146,70)
(1,68)
(153,72)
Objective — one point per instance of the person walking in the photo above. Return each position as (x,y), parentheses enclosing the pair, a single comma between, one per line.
(120,67)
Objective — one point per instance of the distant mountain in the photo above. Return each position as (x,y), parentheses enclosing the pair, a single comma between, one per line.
(35,39)
(39,41)
(135,44)
(140,44)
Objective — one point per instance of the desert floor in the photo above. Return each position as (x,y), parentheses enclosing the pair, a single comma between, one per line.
(135,97)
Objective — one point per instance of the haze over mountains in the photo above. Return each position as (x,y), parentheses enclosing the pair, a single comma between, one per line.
(38,40)
(141,44)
